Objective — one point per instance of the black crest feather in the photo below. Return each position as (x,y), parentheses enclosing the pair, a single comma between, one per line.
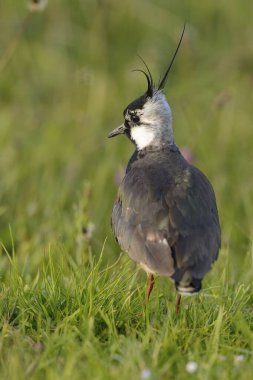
(162,82)
(151,86)
(149,92)
(149,74)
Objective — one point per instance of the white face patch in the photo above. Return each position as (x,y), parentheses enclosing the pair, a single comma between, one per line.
(142,136)
(154,126)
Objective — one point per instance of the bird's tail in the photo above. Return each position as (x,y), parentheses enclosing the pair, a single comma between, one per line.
(190,288)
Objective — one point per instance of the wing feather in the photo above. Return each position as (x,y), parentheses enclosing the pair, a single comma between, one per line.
(168,221)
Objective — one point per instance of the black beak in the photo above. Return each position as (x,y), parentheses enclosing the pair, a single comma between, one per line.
(117,131)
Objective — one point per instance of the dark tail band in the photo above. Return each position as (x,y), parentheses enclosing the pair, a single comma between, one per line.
(189,289)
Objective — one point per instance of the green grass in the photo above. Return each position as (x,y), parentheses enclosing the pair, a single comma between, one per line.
(74,319)
(71,306)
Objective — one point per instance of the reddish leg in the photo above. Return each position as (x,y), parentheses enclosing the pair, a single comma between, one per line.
(178,301)
(150,284)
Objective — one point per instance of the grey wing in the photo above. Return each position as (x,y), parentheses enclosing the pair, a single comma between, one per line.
(194,230)
(176,235)
(140,226)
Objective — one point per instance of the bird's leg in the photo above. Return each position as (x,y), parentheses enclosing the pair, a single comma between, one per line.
(150,284)
(178,301)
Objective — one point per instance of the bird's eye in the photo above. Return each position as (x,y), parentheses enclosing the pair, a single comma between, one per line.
(135,118)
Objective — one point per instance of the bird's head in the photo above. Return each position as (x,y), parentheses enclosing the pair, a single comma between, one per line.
(148,120)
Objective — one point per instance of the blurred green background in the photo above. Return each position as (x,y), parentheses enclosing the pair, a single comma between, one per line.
(65,80)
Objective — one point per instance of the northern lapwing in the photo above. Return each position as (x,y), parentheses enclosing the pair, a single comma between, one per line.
(165,215)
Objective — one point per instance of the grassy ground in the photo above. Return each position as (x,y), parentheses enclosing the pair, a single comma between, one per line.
(70,305)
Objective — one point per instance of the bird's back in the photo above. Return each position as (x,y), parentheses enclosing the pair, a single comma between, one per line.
(165,217)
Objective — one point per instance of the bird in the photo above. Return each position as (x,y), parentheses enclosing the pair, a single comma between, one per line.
(165,215)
